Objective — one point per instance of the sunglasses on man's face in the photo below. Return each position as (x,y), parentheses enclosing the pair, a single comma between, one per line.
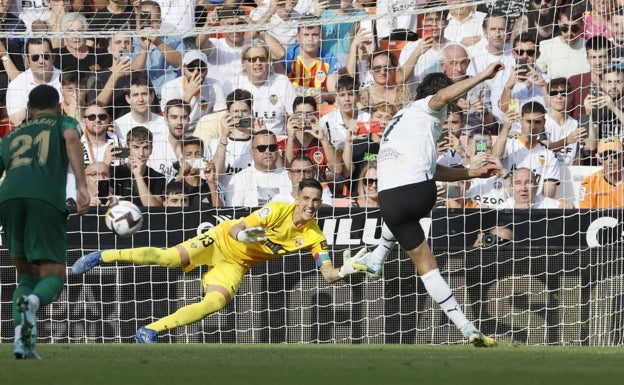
(92,117)
(575,28)
(36,56)
(563,93)
(264,147)
(369,181)
(529,52)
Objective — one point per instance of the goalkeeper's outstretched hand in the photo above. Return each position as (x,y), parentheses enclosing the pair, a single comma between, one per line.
(252,234)
(347,262)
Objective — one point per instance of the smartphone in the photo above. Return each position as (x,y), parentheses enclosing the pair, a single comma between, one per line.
(481,146)
(514,105)
(593,90)
(522,63)
(230,13)
(452,192)
(443,135)
(103,188)
(146,19)
(372,127)
(196,163)
(121,152)
(244,121)
(124,54)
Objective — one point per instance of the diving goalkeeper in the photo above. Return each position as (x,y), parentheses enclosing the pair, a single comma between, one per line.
(231,249)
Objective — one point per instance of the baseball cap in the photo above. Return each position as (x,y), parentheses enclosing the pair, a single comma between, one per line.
(193,55)
(611,144)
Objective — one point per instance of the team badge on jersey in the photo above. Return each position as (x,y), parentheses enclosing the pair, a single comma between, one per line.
(264,212)
(318,157)
(498,185)
(542,160)
(320,76)
(298,242)
(203,104)
(195,245)
(273,99)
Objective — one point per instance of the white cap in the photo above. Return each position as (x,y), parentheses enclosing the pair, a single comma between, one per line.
(193,55)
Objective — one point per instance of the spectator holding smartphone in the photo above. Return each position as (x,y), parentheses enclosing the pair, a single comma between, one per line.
(345,117)
(362,148)
(606,118)
(450,149)
(99,142)
(98,183)
(304,135)
(521,83)
(232,149)
(562,131)
(486,192)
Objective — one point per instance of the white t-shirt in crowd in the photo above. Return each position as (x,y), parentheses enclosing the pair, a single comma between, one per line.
(427,63)
(335,128)
(157,126)
(237,157)
(253,188)
(555,132)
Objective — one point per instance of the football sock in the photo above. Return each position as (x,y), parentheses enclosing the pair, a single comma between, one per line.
(440,291)
(47,290)
(213,301)
(144,256)
(387,241)
(25,285)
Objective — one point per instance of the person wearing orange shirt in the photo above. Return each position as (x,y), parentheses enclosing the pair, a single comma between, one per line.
(604,189)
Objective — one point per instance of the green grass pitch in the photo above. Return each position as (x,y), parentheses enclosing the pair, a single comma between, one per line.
(188,364)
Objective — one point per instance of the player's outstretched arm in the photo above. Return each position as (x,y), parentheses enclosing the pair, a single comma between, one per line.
(332,274)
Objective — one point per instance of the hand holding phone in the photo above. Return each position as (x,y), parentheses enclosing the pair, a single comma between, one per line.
(371,127)
(121,152)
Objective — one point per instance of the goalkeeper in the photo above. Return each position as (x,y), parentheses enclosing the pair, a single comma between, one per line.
(231,249)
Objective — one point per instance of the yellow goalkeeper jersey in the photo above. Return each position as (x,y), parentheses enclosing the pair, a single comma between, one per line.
(282,236)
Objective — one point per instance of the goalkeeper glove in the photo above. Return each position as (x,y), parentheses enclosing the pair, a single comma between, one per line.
(347,262)
(252,234)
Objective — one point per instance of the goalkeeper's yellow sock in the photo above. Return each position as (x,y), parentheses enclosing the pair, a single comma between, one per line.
(213,301)
(144,256)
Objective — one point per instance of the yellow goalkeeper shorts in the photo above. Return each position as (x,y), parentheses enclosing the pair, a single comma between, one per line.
(202,250)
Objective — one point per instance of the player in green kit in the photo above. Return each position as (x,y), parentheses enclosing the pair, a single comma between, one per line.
(33,214)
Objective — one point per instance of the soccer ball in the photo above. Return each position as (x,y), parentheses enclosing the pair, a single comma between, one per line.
(124,218)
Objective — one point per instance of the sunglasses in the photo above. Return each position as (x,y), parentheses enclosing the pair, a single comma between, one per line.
(254,59)
(575,28)
(529,52)
(380,68)
(563,93)
(369,181)
(92,117)
(36,56)
(543,1)
(264,147)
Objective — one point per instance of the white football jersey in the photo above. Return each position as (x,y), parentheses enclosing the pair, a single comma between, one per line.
(555,132)
(237,157)
(335,128)
(408,152)
(272,101)
(156,125)
(538,158)
(490,192)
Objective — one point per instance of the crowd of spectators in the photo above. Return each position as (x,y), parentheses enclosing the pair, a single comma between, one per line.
(176,112)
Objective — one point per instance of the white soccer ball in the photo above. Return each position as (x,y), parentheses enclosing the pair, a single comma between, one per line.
(124,218)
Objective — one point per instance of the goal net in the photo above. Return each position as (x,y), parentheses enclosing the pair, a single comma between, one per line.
(530,275)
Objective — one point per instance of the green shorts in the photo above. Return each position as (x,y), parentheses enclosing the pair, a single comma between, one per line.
(34,230)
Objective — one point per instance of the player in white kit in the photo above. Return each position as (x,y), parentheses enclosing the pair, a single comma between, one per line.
(407,191)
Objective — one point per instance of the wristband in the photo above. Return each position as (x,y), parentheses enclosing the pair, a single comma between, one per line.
(5,58)
(222,144)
